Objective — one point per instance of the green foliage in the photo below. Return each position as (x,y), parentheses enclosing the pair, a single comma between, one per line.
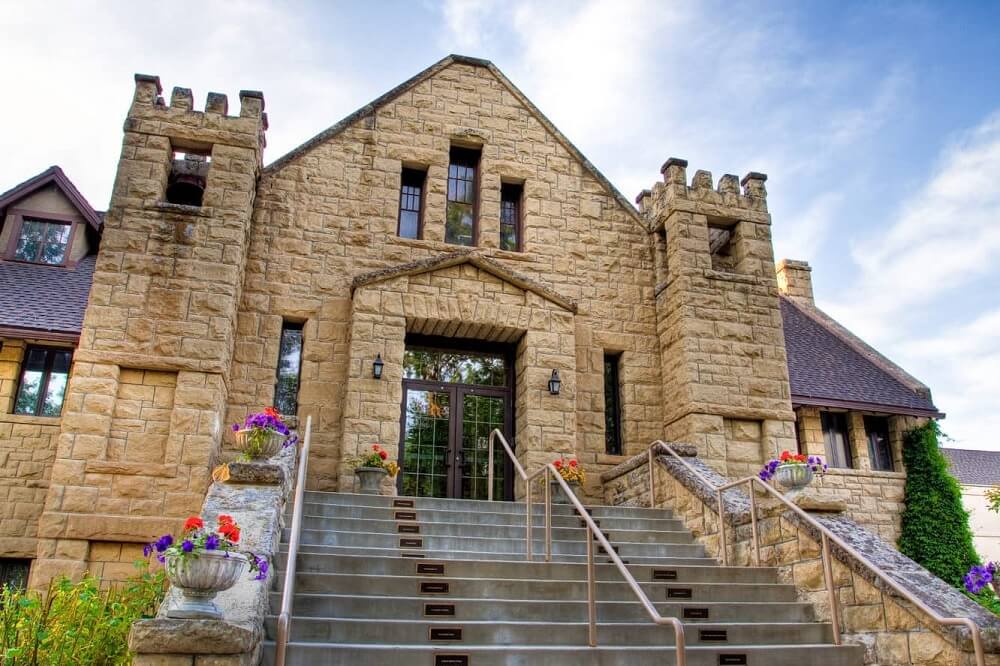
(993,498)
(76,623)
(935,530)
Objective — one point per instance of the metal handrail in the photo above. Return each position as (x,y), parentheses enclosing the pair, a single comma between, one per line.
(826,536)
(593,532)
(288,592)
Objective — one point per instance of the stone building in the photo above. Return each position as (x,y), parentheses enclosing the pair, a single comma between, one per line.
(977,472)
(449,233)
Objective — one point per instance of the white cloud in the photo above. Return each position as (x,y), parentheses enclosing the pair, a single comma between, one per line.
(466,22)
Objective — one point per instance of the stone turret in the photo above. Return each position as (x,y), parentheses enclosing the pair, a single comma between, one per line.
(144,407)
(721,342)
(795,279)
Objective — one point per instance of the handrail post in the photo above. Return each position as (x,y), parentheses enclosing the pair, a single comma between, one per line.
(723,548)
(548,517)
(652,488)
(527,498)
(828,576)
(288,591)
(591,591)
(753,522)
(489,468)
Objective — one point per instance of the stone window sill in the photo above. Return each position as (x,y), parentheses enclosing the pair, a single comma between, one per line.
(24,419)
(841,471)
(441,246)
(180,209)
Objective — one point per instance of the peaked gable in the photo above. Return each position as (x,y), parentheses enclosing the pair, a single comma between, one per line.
(372,107)
(481,262)
(53,176)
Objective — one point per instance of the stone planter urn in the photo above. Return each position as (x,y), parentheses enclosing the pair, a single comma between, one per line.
(269,448)
(370,479)
(794,477)
(558,496)
(200,578)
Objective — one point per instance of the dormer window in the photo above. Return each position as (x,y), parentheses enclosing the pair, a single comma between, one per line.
(43,242)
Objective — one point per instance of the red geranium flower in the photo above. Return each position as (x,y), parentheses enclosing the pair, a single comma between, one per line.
(226,519)
(572,463)
(558,464)
(193,523)
(230,531)
(382,454)
(785,455)
(271,411)
(374,447)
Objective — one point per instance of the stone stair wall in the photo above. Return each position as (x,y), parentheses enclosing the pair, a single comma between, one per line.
(893,631)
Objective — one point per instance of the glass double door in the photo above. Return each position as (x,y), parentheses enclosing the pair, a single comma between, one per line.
(444,450)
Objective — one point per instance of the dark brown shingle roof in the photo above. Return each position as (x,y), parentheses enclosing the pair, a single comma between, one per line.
(824,369)
(974,468)
(45,298)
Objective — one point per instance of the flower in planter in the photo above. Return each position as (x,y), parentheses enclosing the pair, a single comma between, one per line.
(570,470)
(979,576)
(815,463)
(260,427)
(377,457)
(196,540)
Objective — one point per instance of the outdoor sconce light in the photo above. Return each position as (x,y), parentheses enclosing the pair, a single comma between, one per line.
(554,383)
(377,367)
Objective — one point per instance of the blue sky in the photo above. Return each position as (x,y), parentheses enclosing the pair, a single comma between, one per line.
(877,123)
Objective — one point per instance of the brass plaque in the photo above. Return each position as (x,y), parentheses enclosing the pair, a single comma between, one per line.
(430,569)
(695,613)
(434,587)
(411,543)
(679,593)
(446,633)
(408,528)
(403,503)
(406,515)
(453,660)
(439,610)
(664,574)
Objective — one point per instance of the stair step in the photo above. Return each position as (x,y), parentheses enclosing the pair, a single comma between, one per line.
(396,566)
(569,634)
(519,588)
(308,654)
(412,606)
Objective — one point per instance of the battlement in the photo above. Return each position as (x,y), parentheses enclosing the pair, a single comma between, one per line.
(728,193)
(148,97)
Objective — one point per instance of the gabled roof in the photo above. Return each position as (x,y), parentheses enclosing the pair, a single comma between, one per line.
(53,175)
(388,97)
(44,299)
(974,468)
(473,257)
(827,366)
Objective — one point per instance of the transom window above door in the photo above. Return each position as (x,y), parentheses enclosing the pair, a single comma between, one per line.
(43,242)
(455,367)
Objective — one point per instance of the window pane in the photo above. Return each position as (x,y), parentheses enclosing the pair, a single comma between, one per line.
(43,242)
(510,216)
(410,195)
(30,241)
(460,216)
(459,225)
(44,370)
(455,367)
(27,394)
(409,224)
(54,393)
(286,389)
(879,451)
(612,407)
(838,450)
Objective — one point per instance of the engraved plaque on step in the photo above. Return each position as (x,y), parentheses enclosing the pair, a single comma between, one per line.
(413,555)
(679,593)
(713,635)
(732,660)
(430,569)
(439,610)
(434,587)
(453,660)
(695,613)
(406,515)
(403,503)
(411,543)
(664,574)
(408,528)
(446,633)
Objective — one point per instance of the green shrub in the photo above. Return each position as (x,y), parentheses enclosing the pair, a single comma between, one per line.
(76,623)
(935,530)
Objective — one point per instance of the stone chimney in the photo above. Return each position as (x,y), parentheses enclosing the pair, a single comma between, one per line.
(795,279)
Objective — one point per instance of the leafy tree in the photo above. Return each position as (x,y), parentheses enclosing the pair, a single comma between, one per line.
(935,530)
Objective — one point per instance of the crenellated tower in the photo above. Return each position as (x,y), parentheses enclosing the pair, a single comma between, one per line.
(719,325)
(144,408)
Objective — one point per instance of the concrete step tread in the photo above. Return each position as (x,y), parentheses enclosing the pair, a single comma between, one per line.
(536,538)
(560,648)
(545,623)
(480,556)
(387,525)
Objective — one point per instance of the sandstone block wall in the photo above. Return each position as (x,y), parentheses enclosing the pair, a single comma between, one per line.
(27,448)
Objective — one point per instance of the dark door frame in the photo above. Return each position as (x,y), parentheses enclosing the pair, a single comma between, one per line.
(456,392)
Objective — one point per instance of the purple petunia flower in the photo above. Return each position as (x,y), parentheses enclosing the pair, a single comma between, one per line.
(187,546)
(163,543)
(262,569)
(147,550)
(211,542)
(236,427)
(977,578)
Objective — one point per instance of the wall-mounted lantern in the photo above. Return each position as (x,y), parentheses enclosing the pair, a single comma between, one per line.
(554,383)
(377,367)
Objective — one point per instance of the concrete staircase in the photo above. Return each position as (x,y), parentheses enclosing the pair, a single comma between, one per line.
(436,582)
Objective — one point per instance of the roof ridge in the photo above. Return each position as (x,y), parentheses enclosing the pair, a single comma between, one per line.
(54,174)
(421,76)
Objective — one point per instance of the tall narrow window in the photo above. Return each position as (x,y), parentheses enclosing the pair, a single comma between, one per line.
(510,216)
(879,451)
(14,572)
(460,225)
(838,447)
(43,242)
(43,381)
(612,406)
(286,389)
(411,199)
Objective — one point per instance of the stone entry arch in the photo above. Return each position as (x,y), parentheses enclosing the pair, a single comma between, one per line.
(459,295)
